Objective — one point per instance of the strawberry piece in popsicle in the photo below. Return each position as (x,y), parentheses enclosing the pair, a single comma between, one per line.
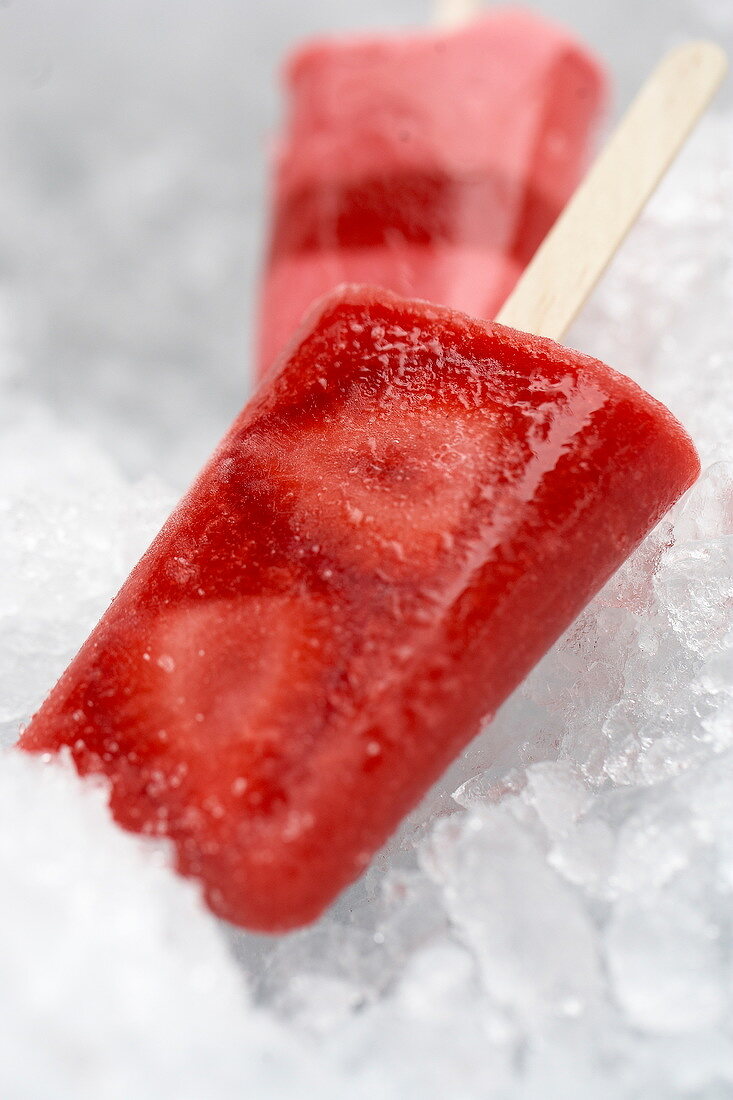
(393,532)
(432,164)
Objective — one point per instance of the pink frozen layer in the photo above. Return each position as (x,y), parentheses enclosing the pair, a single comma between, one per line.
(431,164)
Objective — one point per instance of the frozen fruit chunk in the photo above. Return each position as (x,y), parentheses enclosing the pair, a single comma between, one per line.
(389,482)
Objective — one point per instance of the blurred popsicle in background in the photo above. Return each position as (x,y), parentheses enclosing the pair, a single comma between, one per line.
(431,163)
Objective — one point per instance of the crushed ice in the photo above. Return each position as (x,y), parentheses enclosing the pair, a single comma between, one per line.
(562,925)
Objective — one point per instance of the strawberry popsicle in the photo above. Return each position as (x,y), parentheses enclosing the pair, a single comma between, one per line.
(432,164)
(394,531)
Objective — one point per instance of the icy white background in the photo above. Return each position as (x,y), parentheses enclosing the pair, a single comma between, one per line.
(561,925)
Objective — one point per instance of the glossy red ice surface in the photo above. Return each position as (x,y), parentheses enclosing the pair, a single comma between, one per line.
(391,535)
(430,163)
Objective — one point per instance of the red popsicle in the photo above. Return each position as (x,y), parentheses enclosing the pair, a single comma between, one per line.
(431,164)
(390,536)
(393,532)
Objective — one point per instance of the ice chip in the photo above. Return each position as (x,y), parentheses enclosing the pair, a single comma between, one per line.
(508,905)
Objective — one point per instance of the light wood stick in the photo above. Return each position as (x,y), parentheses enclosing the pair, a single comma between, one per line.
(452,13)
(585,237)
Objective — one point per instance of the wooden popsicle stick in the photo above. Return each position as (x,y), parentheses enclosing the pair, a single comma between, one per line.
(452,13)
(585,237)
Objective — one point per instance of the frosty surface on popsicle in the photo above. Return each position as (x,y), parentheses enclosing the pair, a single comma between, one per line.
(394,531)
(431,164)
